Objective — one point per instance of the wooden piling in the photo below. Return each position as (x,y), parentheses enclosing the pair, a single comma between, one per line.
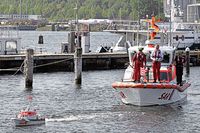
(187,50)
(28,67)
(71,41)
(78,65)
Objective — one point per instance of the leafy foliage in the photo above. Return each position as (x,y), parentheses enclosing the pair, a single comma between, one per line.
(64,9)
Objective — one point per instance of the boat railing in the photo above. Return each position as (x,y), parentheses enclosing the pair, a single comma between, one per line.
(123,25)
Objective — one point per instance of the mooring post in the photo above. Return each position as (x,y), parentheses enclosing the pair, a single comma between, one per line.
(28,67)
(78,65)
(187,53)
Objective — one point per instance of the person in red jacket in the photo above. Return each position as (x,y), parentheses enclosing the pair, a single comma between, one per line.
(156,57)
(139,60)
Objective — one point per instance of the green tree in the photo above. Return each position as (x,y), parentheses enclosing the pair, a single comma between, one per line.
(64,9)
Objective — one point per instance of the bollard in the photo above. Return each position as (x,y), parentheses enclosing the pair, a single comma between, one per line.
(78,65)
(187,50)
(28,67)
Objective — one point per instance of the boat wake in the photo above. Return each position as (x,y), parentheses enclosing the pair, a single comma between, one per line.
(71,118)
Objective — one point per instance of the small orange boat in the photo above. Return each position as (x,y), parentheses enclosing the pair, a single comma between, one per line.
(28,117)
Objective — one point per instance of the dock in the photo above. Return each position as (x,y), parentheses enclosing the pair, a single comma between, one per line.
(195,57)
(64,62)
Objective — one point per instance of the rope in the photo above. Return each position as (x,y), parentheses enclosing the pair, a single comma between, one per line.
(17,69)
(20,68)
(55,62)
(9,69)
(14,68)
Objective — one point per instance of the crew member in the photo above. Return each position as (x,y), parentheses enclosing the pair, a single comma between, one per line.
(156,57)
(139,60)
(179,62)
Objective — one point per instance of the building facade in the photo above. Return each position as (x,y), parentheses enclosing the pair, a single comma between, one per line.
(177,8)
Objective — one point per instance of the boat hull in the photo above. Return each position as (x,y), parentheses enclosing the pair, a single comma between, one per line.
(23,122)
(150,96)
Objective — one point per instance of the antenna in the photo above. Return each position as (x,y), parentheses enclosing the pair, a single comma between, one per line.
(76,14)
(27,7)
(77,28)
(147,17)
(20,9)
(138,23)
(170,24)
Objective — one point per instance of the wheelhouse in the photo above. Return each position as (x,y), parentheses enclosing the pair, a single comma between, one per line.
(167,71)
(168,54)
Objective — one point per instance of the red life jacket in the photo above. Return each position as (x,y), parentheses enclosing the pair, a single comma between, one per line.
(139,58)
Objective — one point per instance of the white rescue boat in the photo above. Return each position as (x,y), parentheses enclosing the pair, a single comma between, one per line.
(146,92)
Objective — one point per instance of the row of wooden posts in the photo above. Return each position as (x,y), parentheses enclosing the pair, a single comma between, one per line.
(77,66)
(28,67)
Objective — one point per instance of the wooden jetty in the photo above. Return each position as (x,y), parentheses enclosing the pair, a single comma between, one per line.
(64,62)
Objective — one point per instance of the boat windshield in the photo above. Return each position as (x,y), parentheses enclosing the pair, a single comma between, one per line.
(166,58)
(163,76)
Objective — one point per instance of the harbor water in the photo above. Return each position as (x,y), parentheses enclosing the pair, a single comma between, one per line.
(93,107)
(53,40)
